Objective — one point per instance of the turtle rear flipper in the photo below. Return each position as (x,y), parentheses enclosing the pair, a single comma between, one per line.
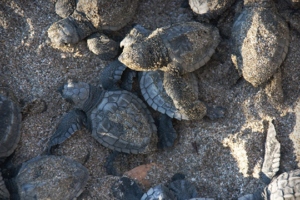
(112,74)
(166,132)
(70,123)
(272,155)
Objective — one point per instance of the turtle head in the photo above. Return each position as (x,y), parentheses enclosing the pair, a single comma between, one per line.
(63,32)
(145,55)
(75,92)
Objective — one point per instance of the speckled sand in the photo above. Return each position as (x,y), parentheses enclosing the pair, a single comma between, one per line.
(230,150)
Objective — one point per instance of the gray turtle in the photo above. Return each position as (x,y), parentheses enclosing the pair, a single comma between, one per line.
(260,40)
(178,49)
(210,8)
(83,18)
(285,186)
(50,177)
(10,122)
(117,119)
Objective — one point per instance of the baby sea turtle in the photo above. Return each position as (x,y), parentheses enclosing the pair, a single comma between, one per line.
(117,119)
(10,122)
(85,18)
(260,40)
(285,186)
(50,177)
(178,49)
(210,8)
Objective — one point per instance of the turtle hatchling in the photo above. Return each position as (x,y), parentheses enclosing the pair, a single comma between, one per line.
(285,186)
(86,18)
(50,177)
(178,49)
(10,122)
(210,8)
(117,119)
(260,41)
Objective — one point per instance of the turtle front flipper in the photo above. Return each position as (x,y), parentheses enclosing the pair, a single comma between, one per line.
(272,155)
(166,133)
(112,74)
(184,95)
(70,123)
(103,46)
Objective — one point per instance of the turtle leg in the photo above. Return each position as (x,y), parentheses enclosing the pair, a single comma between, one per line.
(126,189)
(65,8)
(102,46)
(166,133)
(127,79)
(109,164)
(215,113)
(184,97)
(70,123)
(112,74)
(272,155)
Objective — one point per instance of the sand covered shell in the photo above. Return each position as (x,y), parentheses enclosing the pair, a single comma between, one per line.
(260,41)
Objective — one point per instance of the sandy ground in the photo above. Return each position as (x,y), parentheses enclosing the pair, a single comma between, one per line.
(229,151)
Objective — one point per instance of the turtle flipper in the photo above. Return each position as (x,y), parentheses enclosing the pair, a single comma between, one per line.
(103,46)
(272,155)
(166,132)
(184,97)
(158,192)
(70,123)
(109,164)
(183,189)
(112,74)
(126,189)
(215,113)
(127,79)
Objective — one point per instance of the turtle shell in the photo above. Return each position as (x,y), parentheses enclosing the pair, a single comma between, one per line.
(108,15)
(190,44)
(51,177)
(122,122)
(260,40)
(153,91)
(10,122)
(285,186)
